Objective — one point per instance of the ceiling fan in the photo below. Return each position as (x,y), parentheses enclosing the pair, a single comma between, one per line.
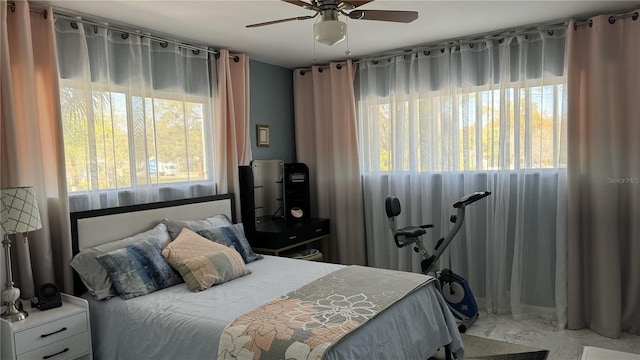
(329,29)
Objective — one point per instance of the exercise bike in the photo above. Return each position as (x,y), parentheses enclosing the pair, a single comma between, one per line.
(454,288)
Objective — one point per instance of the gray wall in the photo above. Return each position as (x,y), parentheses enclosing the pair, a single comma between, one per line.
(271,103)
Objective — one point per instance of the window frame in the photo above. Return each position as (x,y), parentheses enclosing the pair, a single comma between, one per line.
(153,95)
(411,100)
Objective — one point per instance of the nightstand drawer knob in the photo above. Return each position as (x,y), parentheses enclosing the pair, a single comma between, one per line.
(56,354)
(319,230)
(53,333)
(292,237)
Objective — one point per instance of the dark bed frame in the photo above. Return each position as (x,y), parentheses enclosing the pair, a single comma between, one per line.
(78,216)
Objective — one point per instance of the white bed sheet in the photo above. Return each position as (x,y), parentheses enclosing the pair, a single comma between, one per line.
(175,323)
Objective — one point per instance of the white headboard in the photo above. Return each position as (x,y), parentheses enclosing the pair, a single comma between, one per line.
(96,227)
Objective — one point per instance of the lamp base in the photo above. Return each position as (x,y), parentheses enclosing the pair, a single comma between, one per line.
(12,314)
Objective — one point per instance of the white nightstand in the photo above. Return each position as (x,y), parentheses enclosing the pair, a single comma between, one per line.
(60,333)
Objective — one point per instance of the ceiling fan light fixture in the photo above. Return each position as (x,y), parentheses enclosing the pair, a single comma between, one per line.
(330,32)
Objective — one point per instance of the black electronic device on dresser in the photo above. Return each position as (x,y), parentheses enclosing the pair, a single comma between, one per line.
(48,297)
(297,201)
(276,207)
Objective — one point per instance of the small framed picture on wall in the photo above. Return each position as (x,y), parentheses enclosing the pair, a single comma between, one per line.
(262,135)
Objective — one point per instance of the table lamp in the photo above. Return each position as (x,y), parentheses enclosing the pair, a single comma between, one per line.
(19,214)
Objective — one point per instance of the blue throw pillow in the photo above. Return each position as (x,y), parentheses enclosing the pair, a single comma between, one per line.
(232,236)
(138,269)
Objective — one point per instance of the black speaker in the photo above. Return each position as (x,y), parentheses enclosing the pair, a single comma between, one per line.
(48,297)
(296,193)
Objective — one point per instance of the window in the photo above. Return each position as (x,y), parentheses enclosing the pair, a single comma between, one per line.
(486,129)
(122,140)
(138,117)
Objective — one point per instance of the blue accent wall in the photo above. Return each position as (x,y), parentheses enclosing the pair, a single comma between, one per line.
(271,103)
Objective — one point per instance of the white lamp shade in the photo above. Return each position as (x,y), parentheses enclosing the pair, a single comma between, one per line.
(19,212)
(329,32)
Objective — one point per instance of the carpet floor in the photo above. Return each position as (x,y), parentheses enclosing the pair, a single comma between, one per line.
(480,348)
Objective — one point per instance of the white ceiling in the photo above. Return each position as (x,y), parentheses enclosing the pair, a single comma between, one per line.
(221,24)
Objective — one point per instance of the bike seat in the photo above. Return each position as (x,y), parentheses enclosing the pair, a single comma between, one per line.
(411,231)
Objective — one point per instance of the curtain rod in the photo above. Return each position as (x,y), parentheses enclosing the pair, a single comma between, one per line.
(492,35)
(320,68)
(612,18)
(103,23)
(134,31)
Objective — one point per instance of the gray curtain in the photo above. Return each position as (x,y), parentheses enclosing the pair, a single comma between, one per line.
(327,141)
(604,175)
(32,150)
(489,115)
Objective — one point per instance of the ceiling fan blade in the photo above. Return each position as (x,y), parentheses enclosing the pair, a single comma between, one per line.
(384,15)
(280,21)
(302,4)
(356,4)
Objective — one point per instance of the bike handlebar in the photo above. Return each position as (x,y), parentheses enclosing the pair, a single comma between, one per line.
(471,198)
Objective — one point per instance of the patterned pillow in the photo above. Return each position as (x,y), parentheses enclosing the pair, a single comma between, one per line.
(175,226)
(203,263)
(232,236)
(138,269)
(93,274)
(189,245)
(202,272)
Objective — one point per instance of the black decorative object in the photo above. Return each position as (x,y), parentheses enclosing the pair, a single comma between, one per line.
(48,297)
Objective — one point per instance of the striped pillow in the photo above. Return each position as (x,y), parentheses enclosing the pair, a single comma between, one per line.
(232,236)
(138,269)
(202,272)
(203,263)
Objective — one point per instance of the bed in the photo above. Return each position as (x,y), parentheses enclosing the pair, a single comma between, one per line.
(177,323)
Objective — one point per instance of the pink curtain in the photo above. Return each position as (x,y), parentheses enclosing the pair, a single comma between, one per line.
(32,143)
(327,141)
(604,175)
(233,142)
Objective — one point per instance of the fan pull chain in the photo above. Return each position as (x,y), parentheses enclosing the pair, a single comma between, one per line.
(313,40)
(348,52)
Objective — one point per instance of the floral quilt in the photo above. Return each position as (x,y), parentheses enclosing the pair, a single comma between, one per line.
(307,322)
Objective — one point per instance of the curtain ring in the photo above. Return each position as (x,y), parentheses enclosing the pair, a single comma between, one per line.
(612,20)
(164,44)
(195,51)
(427,53)
(320,69)
(339,66)
(302,72)
(124,36)
(236,58)
(635,16)
(95,29)
(45,13)
(74,25)
(590,23)
(12,6)
(442,50)
(550,32)
(471,46)
(375,62)
(575,26)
